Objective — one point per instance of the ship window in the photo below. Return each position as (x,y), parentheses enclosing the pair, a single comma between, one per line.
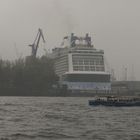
(80,68)
(92,68)
(75,68)
(75,62)
(101,62)
(64,77)
(87,68)
(99,68)
(91,62)
(80,62)
(88,78)
(97,62)
(86,62)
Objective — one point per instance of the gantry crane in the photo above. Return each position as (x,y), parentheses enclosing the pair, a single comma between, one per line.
(35,44)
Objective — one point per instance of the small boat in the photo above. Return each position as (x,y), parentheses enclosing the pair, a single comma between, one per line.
(115,101)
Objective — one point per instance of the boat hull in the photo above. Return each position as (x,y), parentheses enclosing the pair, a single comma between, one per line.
(113,103)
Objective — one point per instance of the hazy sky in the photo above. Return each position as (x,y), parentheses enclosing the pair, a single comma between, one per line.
(113,24)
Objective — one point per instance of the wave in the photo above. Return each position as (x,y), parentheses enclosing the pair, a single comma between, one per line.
(4,138)
(20,135)
(40,135)
(12,104)
(54,135)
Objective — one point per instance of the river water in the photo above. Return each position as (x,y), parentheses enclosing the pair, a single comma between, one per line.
(65,118)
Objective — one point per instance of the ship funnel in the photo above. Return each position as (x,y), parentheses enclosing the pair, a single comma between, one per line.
(87,34)
(88,39)
(72,40)
(72,34)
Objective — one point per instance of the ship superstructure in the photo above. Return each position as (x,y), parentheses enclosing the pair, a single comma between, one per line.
(80,66)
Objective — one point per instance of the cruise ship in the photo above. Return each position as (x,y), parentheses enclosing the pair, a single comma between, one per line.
(80,66)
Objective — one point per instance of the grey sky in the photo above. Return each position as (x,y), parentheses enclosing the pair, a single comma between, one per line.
(113,24)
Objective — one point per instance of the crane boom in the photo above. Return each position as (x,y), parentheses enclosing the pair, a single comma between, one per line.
(35,44)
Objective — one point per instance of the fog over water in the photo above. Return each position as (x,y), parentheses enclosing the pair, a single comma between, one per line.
(113,24)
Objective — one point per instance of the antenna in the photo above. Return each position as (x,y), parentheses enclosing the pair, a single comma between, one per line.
(132,73)
(113,78)
(19,55)
(125,74)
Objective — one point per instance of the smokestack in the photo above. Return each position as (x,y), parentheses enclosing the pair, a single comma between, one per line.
(88,39)
(72,34)
(86,35)
(72,42)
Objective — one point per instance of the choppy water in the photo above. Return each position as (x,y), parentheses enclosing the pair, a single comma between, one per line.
(66,118)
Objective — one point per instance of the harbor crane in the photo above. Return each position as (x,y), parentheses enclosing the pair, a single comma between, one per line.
(35,44)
